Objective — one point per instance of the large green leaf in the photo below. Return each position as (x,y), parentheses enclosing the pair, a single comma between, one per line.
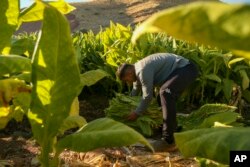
(103,132)
(91,77)
(55,77)
(35,11)
(9,12)
(213,143)
(222,117)
(212,23)
(195,119)
(14,64)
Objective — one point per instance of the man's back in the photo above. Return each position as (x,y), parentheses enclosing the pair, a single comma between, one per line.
(157,67)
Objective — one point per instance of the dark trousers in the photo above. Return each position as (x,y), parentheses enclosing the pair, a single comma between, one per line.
(169,92)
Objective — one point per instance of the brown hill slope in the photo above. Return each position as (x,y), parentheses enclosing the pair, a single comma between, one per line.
(98,13)
(92,15)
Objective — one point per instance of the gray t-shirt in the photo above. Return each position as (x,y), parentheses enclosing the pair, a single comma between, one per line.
(152,71)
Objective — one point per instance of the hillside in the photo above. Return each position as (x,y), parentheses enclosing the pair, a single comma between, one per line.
(92,15)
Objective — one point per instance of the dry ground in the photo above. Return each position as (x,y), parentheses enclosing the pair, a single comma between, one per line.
(99,13)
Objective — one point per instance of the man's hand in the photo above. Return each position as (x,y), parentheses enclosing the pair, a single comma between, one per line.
(132,116)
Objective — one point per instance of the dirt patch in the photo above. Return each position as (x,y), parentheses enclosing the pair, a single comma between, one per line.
(95,14)
(98,13)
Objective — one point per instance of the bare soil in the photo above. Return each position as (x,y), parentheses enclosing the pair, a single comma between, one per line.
(98,13)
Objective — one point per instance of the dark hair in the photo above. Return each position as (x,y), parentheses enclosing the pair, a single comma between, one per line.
(122,70)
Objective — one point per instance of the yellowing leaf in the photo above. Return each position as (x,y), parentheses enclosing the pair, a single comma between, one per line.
(62,6)
(242,53)
(74,109)
(4,111)
(234,61)
(35,11)
(10,88)
(218,124)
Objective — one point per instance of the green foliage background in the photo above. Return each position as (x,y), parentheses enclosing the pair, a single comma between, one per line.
(220,70)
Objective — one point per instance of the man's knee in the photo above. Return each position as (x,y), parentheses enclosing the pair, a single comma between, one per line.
(167,93)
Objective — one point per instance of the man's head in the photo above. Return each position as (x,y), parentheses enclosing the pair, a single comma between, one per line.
(126,73)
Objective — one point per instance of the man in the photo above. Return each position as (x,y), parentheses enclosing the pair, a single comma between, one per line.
(172,73)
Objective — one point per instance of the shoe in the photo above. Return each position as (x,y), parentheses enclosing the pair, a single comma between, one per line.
(167,138)
(163,146)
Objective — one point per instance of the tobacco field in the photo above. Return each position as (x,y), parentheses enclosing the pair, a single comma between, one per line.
(59,91)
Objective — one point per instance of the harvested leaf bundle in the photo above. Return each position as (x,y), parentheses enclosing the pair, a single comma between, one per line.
(121,106)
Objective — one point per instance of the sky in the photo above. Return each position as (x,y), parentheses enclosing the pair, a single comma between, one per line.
(25,3)
(236,1)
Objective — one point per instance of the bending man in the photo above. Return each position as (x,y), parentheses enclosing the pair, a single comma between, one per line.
(172,73)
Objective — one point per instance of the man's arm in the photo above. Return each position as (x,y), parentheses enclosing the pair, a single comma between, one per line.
(147,92)
(136,89)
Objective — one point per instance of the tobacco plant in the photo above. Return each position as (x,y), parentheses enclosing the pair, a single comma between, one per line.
(45,85)
(216,24)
